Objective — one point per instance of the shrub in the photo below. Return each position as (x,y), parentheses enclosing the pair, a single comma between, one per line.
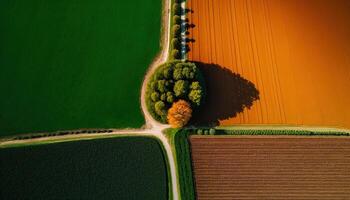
(167,72)
(153,85)
(163,97)
(178,73)
(175,54)
(195,94)
(161,86)
(155,96)
(177,9)
(177,19)
(212,131)
(175,42)
(181,88)
(160,108)
(176,30)
(179,114)
(170,97)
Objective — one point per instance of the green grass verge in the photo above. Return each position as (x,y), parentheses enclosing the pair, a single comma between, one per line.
(269,130)
(179,143)
(113,168)
(74,64)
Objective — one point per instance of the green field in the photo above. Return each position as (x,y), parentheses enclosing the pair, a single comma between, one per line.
(74,64)
(114,168)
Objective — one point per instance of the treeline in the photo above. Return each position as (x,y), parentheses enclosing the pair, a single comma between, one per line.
(177,27)
(212,131)
(281,132)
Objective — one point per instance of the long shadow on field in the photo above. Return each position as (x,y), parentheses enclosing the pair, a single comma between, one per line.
(227,95)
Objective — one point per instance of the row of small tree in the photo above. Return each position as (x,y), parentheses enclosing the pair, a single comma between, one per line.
(176,30)
(210,131)
(173,91)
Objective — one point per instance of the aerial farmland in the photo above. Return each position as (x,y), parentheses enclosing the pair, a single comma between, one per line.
(88,169)
(271,167)
(296,54)
(174,99)
(66,65)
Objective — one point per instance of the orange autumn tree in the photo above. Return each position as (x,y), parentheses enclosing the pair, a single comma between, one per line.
(179,114)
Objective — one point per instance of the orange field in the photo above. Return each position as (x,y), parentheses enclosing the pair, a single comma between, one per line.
(271,167)
(295,52)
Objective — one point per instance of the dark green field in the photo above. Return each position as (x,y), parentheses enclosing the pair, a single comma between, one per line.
(74,64)
(116,168)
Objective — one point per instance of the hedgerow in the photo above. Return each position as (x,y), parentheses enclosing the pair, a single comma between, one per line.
(212,131)
(60,133)
(176,29)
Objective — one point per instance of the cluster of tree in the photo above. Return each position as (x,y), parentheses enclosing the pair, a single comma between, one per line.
(177,85)
(176,30)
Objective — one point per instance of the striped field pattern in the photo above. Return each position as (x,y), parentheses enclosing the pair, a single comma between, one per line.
(266,167)
(297,54)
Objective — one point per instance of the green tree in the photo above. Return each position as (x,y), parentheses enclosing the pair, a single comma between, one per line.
(178,73)
(155,96)
(167,72)
(170,97)
(212,131)
(186,72)
(175,42)
(195,86)
(158,75)
(175,54)
(153,85)
(177,9)
(181,88)
(177,19)
(160,108)
(161,86)
(163,97)
(195,96)
(176,30)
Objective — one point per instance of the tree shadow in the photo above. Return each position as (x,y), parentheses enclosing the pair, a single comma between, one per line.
(227,94)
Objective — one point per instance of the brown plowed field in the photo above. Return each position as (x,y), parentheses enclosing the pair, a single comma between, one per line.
(271,167)
(297,54)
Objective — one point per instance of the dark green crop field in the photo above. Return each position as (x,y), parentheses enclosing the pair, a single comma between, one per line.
(74,64)
(115,168)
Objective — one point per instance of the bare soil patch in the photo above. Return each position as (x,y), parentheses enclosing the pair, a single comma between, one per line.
(271,167)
